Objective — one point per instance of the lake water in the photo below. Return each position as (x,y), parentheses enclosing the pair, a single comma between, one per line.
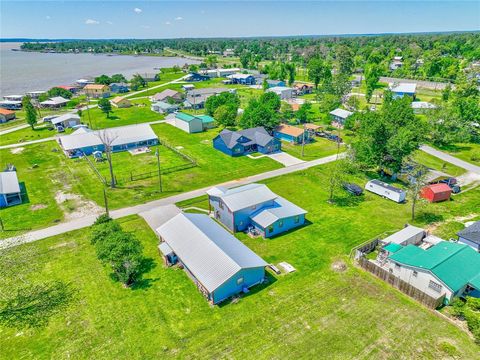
(30,71)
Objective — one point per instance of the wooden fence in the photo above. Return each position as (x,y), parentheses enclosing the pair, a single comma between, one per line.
(401,285)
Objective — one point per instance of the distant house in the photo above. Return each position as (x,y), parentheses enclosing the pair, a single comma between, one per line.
(339,116)
(149,77)
(219,264)
(441,269)
(283,92)
(396,63)
(238,143)
(9,189)
(254,208)
(302,88)
(275,83)
(83,82)
(188,87)
(164,107)
(193,123)
(66,121)
(85,141)
(242,79)
(119,88)
(6,115)
(386,190)
(471,236)
(167,95)
(195,99)
(229,52)
(436,192)
(54,102)
(408,235)
(192,77)
(11,104)
(71,88)
(13,97)
(97,90)
(422,106)
(291,134)
(401,89)
(120,102)
(36,94)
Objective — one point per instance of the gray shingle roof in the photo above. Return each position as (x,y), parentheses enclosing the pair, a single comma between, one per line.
(210,252)
(257,135)
(9,182)
(471,233)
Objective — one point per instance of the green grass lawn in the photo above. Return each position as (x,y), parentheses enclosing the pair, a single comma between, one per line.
(27,134)
(318,148)
(313,313)
(437,164)
(468,152)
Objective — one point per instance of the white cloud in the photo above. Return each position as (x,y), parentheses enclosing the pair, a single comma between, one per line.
(92,22)
(178,18)
(137,10)
(48,17)
(109,22)
(168,23)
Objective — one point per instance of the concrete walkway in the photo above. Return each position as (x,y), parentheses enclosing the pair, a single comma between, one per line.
(13,129)
(148,207)
(285,159)
(26,143)
(451,159)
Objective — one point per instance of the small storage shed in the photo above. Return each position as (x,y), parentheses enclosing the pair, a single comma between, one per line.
(386,190)
(66,121)
(408,235)
(6,115)
(339,116)
(121,102)
(193,123)
(291,133)
(436,192)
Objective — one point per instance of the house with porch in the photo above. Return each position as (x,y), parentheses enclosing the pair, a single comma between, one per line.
(242,79)
(339,116)
(292,134)
(9,189)
(238,143)
(64,121)
(254,208)
(120,102)
(84,141)
(119,88)
(400,90)
(96,91)
(193,77)
(54,102)
(163,107)
(167,95)
(219,264)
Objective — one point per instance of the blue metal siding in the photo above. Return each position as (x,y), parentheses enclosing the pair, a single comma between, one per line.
(273,146)
(225,216)
(288,224)
(242,217)
(469,243)
(219,144)
(250,277)
(88,150)
(3,201)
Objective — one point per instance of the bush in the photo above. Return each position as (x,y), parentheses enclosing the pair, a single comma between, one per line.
(102,219)
(103,230)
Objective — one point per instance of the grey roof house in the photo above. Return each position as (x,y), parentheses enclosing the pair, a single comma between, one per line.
(237,143)
(471,236)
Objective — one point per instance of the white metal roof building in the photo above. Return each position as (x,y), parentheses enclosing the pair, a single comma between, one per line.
(9,189)
(403,88)
(86,141)
(281,210)
(220,264)
(341,113)
(66,120)
(408,235)
(243,196)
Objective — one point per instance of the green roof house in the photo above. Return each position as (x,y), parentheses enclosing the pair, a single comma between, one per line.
(448,268)
(193,123)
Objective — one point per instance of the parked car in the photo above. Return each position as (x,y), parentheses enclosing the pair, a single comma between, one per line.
(353,189)
(450,181)
(328,136)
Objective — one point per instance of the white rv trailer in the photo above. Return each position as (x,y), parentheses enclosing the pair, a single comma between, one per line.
(387,191)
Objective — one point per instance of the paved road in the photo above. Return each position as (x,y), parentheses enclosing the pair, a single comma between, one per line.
(89,220)
(451,159)
(14,128)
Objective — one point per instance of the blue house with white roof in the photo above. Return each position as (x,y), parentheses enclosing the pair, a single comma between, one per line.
(219,264)
(254,208)
(399,90)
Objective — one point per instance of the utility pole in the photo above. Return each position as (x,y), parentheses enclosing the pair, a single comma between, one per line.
(106,202)
(157,154)
(88,112)
(303,139)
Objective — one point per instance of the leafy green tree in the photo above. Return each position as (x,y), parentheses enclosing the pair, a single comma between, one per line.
(417,179)
(446,127)
(265,85)
(319,72)
(446,92)
(372,76)
(341,85)
(211,60)
(56,91)
(226,115)
(105,106)
(123,253)
(259,113)
(271,100)
(193,68)
(103,230)
(345,59)
(225,98)
(30,113)
(291,70)
(118,78)
(103,79)
(245,59)
(137,82)
(303,112)
(287,111)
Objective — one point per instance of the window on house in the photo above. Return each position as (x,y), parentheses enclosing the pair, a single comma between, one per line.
(297,219)
(280,223)
(270,229)
(415,273)
(435,286)
(220,205)
(240,281)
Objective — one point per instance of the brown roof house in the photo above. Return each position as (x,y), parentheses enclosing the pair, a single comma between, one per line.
(97,91)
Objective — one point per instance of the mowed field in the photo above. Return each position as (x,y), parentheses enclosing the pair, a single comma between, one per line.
(316,312)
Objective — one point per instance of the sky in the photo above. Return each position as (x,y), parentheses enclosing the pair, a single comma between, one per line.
(175,19)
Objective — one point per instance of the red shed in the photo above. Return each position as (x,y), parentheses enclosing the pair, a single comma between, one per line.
(436,192)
